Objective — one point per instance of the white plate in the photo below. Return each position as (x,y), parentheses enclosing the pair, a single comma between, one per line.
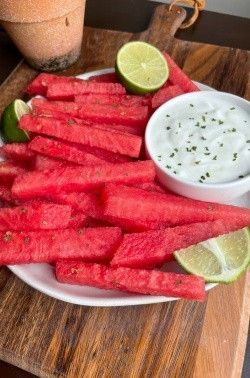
(41,276)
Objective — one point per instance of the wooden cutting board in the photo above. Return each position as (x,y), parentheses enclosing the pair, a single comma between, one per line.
(180,339)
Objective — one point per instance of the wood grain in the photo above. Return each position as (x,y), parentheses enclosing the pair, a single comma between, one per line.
(181,339)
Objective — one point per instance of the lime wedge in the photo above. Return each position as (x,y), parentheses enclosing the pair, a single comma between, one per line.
(141,67)
(220,259)
(9,122)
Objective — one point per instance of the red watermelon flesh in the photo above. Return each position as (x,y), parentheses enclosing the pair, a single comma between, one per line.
(6,194)
(40,84)
(79,273)
(129,116)
(88,244)
(44,163)
(124,144)
(114,100)
(75,153)
(154,248)
(35,217)
(86,203)
(17,151)
(151,282)
(165,94)
(69,179)
(64,151)
(140,205)
(68,90)
(178,77)
(39,110)
(8,171)
(104,78)
(151,187)
(77,220)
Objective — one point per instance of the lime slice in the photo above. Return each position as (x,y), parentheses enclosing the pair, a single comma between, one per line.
(9,122)
(220,259)
(141,67)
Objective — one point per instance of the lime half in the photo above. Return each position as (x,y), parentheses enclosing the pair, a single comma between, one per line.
(141,67)
(220,259)
(9,122)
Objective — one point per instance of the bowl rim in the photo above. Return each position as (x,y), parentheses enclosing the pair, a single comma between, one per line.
(224,185)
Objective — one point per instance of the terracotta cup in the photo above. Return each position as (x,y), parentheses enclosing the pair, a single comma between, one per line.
(48,32)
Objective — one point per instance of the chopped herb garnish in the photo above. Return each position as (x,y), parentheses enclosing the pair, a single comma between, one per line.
(179,125)
(233,130)
(201,181)
(215,157)
(190,135)
(197,124)
(189,141)
(203,138)
(191,105)
(207,153)
(194,148)
(188,149)
(206,148)
(167,115)
(221,145)
(213,119)
(168,166)
(179,164)
(168,128)
(172,155)
(220,122)
(191,118)
(207,174)
(203,127)
(203,118)
(206,112)
(248,141)
(197,162)
(232,108)
(245,121)
(203,177)
(235,155)
(241,176)
(176,149)
(159,156)
(175,172)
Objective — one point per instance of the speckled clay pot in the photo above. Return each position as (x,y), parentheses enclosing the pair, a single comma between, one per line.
(47,32)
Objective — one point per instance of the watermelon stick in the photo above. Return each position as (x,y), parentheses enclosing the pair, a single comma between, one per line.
(40,84)
(178,77)
(74,153)
(133,205)
(43,183)
(151,282)
(154,248)
(123,100)
(35,217)
(118,142)
(91,244)
(69,89)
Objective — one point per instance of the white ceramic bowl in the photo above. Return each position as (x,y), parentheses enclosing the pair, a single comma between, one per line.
(221,192)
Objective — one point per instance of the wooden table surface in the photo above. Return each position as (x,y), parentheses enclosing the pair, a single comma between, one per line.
(52,339)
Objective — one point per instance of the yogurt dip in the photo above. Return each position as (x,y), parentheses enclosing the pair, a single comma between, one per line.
(205,139)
